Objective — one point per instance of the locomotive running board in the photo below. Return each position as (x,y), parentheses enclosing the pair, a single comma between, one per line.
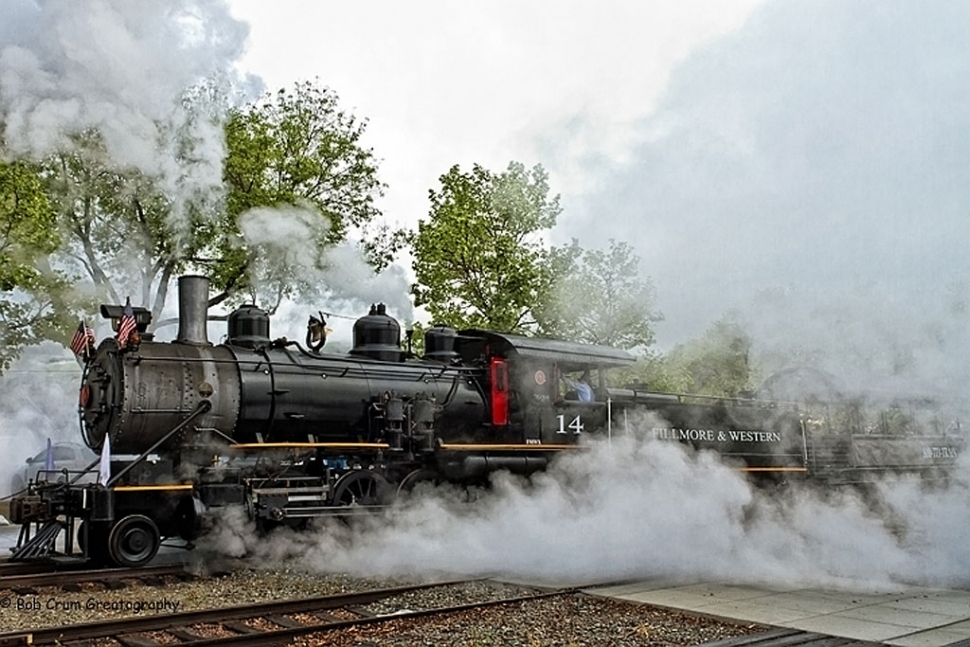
(531,447)
(373,446)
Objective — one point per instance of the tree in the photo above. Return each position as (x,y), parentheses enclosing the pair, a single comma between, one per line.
(296,149)
(602,299)
(130,233)
(717,363)
(32,295)
(115,225)
(479,259)
(290,158)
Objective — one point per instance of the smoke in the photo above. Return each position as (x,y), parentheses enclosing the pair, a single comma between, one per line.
(154,80)
(150,78)
(867,341)
(350,279)
(291,256)
(806,170)
(637,508)
(38,400)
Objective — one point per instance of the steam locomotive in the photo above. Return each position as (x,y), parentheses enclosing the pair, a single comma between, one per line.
(293,433)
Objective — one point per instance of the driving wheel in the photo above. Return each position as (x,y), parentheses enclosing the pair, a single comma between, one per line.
(409,482)
(362,488)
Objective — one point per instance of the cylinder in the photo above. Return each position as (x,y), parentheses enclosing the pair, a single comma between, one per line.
(193,310)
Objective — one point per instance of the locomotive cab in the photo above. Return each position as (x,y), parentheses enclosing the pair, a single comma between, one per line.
(556,389)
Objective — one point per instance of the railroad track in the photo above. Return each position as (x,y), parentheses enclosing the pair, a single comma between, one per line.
(269,623)
(8,568)
(110,577)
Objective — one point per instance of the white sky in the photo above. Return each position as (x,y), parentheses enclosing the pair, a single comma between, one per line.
(443,83)
(802,163)
(446,83)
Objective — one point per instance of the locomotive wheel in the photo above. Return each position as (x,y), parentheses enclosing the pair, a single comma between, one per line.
(134,541)
(362,488)
(409,482)
(82,531)
(82,535)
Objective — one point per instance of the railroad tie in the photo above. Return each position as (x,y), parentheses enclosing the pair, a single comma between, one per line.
(183,633)
(239,627)
(130,640)
(285,622)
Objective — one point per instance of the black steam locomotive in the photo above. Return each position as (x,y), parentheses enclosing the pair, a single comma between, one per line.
(293,434)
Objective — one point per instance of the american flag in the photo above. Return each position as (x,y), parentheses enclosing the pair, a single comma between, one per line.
(127,324)
(82,340)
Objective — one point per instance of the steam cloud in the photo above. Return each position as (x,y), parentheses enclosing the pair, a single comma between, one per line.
(634,509)
(807,170)
(38,400)
(289,240)
(122,68)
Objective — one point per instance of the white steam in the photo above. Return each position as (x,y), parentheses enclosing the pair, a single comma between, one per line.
(866,341)
(123,69)
(38,400)
(635,509)
(289,247)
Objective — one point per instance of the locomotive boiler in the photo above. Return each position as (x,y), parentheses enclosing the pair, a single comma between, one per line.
(294,434)
(265,393)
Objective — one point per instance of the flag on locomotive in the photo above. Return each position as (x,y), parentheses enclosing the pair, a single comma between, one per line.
(127,324)
(83,341)
(49,457)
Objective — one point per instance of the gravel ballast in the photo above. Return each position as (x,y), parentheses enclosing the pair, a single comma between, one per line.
(568,619)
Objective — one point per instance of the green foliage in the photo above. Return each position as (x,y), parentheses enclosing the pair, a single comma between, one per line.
(131,232)
(299,147)
(601,298)
(26,225)
(296,149)
(381,244)
(33,299)
(479,259)
(714,364)
(115,225)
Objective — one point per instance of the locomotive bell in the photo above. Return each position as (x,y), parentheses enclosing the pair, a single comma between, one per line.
(378,336)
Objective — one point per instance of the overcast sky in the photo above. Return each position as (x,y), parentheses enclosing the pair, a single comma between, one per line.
(564,84)
(802,164)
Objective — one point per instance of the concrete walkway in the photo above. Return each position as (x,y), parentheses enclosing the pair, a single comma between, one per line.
(913,617)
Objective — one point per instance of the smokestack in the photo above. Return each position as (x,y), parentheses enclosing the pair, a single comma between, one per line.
(193,310)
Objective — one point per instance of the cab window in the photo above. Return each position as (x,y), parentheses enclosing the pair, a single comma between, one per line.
(576,386)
